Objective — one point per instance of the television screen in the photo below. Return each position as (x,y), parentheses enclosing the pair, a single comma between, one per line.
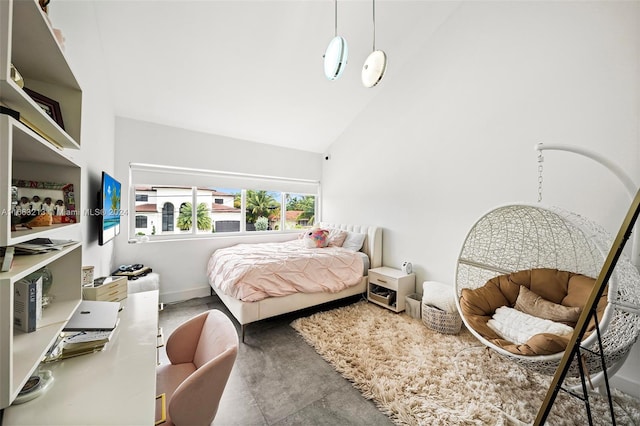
(109,205)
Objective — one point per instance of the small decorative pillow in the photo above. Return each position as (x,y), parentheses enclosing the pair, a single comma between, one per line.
(337,237)
(518,327)
(316,238)
(532,304)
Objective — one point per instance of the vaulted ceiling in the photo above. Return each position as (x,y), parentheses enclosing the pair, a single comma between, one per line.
(254,69)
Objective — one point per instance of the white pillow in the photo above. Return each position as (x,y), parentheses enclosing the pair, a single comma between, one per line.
(440,295)
(354,241)
(518,327)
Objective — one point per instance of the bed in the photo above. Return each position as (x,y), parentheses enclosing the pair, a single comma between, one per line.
(249,311)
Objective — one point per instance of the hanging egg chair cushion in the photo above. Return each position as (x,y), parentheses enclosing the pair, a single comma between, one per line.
(550,293)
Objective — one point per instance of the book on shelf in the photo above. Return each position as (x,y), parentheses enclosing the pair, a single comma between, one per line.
(16,114)
(27,304)
(6,261)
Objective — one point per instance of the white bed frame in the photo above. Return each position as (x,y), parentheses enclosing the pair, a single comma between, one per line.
(248,312)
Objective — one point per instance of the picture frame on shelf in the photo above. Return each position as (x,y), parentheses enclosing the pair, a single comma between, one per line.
(48,105)
(57,199)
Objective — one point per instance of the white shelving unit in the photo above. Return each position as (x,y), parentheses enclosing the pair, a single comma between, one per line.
(27,41)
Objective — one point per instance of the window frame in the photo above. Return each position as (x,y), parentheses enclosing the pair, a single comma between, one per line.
(194,233)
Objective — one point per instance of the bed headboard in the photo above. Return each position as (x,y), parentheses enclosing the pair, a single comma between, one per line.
(372,245)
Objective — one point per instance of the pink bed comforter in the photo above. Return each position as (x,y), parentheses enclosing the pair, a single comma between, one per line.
(251,272)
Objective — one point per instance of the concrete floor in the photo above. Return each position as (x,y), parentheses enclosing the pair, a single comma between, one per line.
(278,379)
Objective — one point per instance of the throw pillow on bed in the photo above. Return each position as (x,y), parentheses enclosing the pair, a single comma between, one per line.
(337,237)
(532,304)
(316,238)
(354,241)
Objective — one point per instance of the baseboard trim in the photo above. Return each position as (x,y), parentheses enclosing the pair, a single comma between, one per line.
(630,387)
(186,294)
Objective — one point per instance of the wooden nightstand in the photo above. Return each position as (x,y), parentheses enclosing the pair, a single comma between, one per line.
(388,287)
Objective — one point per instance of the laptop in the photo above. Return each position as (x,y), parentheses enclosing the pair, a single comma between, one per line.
(94,316)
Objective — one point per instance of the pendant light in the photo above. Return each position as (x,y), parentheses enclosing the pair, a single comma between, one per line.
(335,57)
(376,63)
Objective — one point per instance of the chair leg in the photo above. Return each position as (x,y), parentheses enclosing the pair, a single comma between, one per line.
(242,328)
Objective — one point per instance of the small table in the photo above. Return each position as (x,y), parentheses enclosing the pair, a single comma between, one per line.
(396,284)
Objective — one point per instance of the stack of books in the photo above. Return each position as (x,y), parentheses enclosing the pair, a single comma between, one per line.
(89,330)
(75,343)
(41,245)
(84,342)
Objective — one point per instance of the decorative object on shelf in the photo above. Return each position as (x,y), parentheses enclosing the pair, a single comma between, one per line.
(14,197)
(407,267)
(41,219)
(47,282)
(35,386)
(62,210)
(48,105)
(16,77)
(87,275)
(21,216)
(44,5)
(335,57)
(376,63)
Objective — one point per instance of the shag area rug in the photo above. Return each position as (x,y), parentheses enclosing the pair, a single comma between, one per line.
(420,377)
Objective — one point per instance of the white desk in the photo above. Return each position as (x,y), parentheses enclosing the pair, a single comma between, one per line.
(115,386)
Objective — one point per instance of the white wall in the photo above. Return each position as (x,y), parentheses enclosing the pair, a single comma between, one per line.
(84,53)
(451,134)
(182,264)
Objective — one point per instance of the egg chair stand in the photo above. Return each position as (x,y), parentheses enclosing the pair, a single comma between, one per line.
(575,349)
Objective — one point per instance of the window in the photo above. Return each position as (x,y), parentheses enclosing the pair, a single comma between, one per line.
(225,203)
(226,211)
(141,222)
(300,211)
(167,217)
(262,210)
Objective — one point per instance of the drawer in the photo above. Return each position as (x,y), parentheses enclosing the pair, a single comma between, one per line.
(383,280)
(114,290)
(114,296)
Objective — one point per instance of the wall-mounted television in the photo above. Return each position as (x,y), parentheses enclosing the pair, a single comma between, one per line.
(109,198)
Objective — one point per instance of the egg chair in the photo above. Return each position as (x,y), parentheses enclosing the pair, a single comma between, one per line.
(520,237)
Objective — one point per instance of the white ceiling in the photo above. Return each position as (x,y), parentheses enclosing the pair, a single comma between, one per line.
(253,69)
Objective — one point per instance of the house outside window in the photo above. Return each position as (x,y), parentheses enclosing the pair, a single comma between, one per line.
(165,210)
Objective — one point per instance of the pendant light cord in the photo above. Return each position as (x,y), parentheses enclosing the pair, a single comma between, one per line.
(335,14)
(374,25)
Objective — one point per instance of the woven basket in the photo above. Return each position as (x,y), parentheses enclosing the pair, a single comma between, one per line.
(441,321)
